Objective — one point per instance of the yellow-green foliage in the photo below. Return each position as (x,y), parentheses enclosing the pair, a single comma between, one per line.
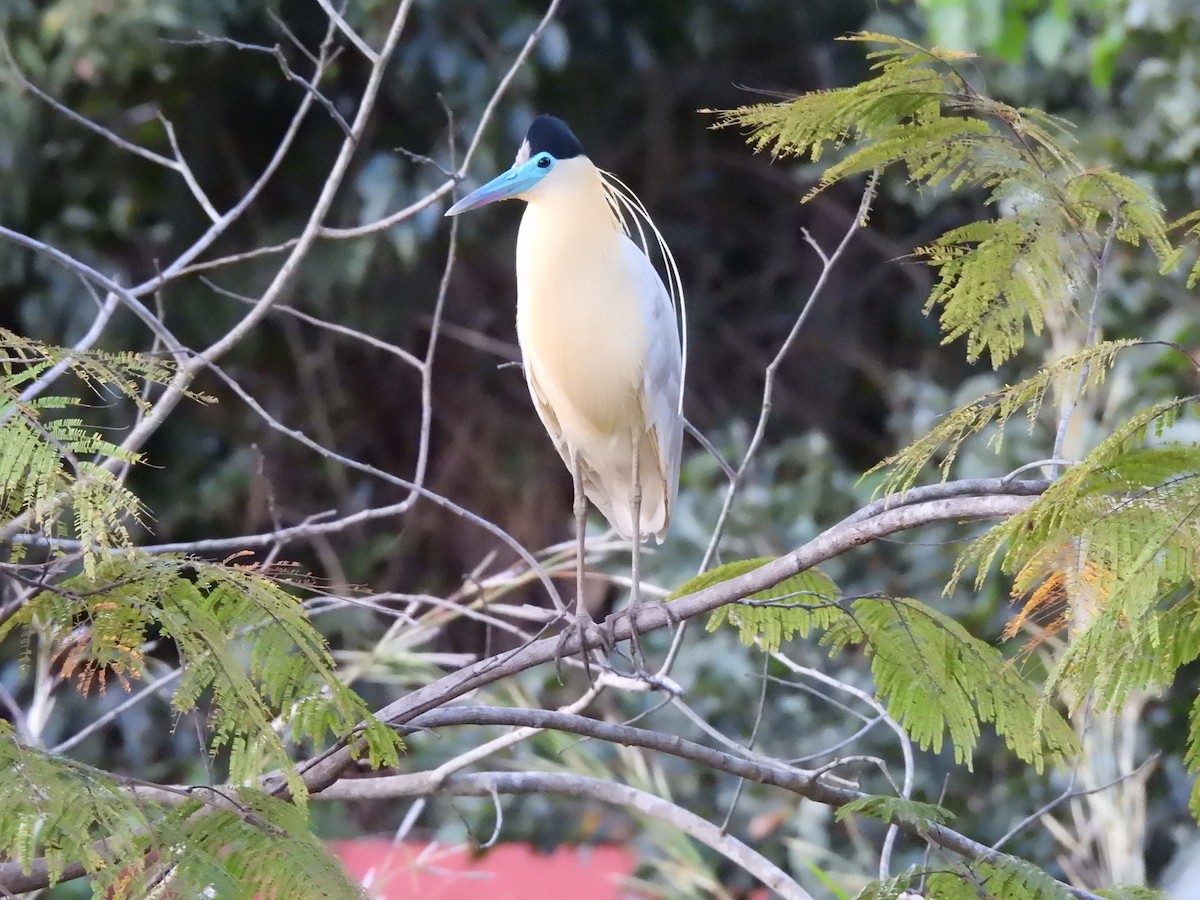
(998,276)
(943,442)
(796,604)
(1190,226)
(935,678)
(246,648)
(249,658)
(51,463)
(1001,876)
(1120,529)
(253,846)
(895,809)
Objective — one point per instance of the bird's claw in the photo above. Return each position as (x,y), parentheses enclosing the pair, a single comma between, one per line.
(582,626)
(631,614)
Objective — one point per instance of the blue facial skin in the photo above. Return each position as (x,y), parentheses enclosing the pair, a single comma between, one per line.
(516,180)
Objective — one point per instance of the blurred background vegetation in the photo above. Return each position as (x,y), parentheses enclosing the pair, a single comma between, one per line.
(867,375)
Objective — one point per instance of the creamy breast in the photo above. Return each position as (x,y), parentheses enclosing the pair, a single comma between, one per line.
(571,288)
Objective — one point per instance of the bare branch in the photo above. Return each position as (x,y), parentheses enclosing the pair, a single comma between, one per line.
(186,172)
(447,186)
(828,262)
(351,35)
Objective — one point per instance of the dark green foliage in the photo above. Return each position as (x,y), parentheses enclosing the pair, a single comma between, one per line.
(247,652)
(243,641)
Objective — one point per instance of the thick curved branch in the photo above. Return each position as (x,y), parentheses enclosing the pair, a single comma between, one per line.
(324,770)
(810,784)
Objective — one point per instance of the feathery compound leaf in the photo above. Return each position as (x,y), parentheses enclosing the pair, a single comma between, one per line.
(1113,547)
(936,678)
(243,642)
(996,276)
(1192,756)
(999,876)
(254,846)
(52,808)
(45,470)
(933,675)
(1190,226)
(891,888)
(797,604)
(998,407)
(895,809)
(103,372)
(1138,213)
(1077,503)
(51,465)
(1132,892)
(999,277)
(62,812)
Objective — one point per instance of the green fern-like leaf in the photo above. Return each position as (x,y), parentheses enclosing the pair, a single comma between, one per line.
(890,888)
(1132,892)
(1000,876)
(895,809)
(245,845)
(996,278)
(253,846)
(1189,225)
(56,810)
(51,463)
(937,679)
(1080,499)
(943,442)
(243,641)
(795,605)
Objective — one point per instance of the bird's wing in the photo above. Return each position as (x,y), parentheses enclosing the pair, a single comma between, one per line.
(663,373)
(546,414)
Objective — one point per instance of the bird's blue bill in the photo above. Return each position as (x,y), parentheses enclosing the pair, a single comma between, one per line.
(516,180)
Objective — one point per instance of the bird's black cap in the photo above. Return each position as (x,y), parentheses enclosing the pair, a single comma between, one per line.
(551,134)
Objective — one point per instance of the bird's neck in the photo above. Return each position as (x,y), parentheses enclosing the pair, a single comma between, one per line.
(573,205)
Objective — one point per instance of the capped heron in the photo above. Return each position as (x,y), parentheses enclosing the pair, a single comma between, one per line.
(601,338)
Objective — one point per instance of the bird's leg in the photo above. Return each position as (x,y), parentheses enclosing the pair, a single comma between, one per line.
(635,590)
(583,619)
(580,536)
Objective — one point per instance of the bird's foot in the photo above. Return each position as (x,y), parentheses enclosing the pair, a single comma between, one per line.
(581,628)
(631,613)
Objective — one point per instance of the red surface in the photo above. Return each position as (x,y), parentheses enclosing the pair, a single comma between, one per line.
(389,871)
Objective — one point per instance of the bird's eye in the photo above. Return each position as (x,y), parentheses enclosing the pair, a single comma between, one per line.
(543,162)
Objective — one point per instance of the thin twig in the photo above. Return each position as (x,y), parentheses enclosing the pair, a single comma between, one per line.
(351,35)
